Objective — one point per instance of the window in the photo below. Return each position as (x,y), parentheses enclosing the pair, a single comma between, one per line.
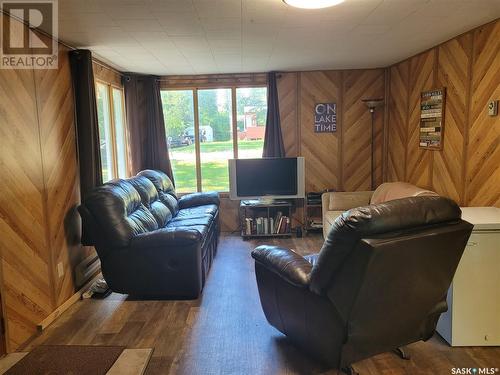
(205,127)
(178,111)
(216,137)
(120,135)
(251,104)
(104,119)
(112,131)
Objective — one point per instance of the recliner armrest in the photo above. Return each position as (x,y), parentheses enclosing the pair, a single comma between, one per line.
(198,199)
(167,237)
(286,263)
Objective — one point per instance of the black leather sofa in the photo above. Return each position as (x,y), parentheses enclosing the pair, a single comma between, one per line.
(379,282)
(149,242)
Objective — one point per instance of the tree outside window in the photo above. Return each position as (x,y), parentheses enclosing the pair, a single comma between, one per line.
(215,132)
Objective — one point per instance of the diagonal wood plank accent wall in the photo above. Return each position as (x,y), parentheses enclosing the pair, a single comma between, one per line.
(356,129)
(25,260)
(340,160)
(287,88)
(397,128)
(467,169)
(55,100)
(39,227)
(483,151)
(453,70)
(320,150)
(25,256)
(418,161)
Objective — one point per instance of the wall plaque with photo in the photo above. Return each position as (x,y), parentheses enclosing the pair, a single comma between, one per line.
(432,119)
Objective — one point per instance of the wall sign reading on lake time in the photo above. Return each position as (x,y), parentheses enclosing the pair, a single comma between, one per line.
(432,119)
(325,118)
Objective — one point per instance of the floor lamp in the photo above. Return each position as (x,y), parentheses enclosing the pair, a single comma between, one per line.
(372,104)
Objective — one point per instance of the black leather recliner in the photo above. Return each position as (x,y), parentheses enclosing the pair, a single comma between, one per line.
(379,282)
(149,242)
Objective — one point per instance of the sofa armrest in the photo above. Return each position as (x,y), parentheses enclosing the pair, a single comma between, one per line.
(167,237)
(163,262)
(286,263)
(325,203)
(198,199)
(89,227)
(345,200)
(338,202)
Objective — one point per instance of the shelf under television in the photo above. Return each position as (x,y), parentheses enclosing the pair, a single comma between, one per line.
(245,236)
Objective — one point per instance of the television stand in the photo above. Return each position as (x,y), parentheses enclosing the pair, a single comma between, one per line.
(264,202)
(265,218)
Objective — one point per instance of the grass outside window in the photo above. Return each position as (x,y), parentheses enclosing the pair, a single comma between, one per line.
(216,154)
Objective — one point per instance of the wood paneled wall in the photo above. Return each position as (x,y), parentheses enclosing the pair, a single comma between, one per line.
(106,74)
(39,227)
(397,131)
(482,156)
(356,129)
(339,160)
(288,95)
(467,169)
(321,151)
(211,80)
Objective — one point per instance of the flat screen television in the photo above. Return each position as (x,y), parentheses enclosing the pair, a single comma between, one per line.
(268,178)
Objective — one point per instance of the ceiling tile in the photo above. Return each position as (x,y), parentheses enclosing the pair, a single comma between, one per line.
(127,12)
(140,25)
(205,36)
(221,24)
(170,5)
(371,29)
(180,24)
(153,37)
(191,44)
(219,8)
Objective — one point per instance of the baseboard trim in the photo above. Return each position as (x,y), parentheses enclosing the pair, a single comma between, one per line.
(66,305)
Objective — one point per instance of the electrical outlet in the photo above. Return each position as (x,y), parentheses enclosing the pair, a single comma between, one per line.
(60,269)
(493,108)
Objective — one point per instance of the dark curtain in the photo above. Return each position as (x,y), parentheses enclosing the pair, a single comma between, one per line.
(147,139)
(273,139)
(89,152)
(87,126)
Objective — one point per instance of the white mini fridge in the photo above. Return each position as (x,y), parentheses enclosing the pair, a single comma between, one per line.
(473,316)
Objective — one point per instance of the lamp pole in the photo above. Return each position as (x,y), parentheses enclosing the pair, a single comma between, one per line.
(372,104)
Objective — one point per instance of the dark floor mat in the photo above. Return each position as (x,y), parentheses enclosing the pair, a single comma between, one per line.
(67,360)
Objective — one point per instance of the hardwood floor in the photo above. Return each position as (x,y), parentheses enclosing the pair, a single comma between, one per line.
(225,331)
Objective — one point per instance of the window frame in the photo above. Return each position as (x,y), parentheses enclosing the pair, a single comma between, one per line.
(114,148)
(234,118)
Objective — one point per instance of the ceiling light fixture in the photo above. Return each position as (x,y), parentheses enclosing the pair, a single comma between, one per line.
(312,4)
